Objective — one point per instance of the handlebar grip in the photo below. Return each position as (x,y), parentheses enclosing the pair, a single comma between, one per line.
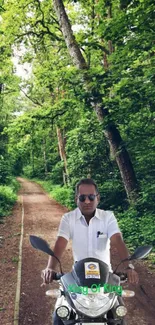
(123,276)
(57,276)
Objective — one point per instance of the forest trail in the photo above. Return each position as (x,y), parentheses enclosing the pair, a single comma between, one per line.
(41,217)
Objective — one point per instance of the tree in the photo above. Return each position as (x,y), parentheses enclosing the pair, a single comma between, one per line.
(107,54)
(112,134)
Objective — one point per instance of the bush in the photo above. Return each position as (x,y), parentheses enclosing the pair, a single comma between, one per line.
(47,185)
(28,171)
(64,195)
(147,228)
(7,199)
(137,231)
(5,170)
(57,173)
(112,195)
(13,183)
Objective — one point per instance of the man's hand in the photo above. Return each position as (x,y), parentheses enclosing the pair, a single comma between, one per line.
(133,277)
(47,275)
(118,242)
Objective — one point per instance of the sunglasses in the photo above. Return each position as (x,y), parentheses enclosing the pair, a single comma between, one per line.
(83,197)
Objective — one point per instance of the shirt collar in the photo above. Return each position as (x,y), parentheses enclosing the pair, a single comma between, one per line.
(79,214)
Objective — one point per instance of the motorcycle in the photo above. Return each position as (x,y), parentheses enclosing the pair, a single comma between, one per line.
(90,293)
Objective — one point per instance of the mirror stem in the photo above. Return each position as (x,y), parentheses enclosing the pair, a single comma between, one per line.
(126,259)
(59,263)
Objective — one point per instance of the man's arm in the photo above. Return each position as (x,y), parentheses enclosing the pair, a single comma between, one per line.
(123,252)
(59,248)
(118,242)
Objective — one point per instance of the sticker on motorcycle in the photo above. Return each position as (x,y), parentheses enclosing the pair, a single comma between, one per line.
(92,270)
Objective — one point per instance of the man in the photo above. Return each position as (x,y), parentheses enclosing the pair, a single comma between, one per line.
(92,231)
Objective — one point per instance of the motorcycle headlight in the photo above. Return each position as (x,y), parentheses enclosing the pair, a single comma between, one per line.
(55,293)
(62,311)
(121,311)
(93,305)
(128,293)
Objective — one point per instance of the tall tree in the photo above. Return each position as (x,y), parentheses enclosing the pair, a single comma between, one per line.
(61,144)
(111,132)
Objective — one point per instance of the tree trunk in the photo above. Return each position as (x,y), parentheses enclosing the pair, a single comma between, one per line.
(112,134)
(32,160)
(66,29)
(32,149)
(120,154)
(44,157)
(61,146)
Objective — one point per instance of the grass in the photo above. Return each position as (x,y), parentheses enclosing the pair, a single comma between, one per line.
(15,259)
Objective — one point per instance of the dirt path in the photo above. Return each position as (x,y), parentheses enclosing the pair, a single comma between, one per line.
(41,218)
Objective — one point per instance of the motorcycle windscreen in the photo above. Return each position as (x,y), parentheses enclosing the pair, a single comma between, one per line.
(90,271)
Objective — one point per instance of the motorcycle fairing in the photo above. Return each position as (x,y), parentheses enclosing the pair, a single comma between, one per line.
(79,274)
(77,278)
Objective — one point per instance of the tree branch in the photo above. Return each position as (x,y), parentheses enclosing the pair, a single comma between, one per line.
(48,116)
(34,101)
(42,21)
(7,92)
(41,34)
(69,37)
(2,9)
(96,45)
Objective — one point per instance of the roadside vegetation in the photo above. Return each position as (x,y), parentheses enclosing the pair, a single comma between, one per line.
(8,197)
(85,115)
(9,187)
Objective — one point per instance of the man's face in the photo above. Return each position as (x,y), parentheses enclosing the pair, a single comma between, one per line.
(87,207)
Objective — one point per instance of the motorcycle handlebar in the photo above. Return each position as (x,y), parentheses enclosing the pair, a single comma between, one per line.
(123,276)
(57,276)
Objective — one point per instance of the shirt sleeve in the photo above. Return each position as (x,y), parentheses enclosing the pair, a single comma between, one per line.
(112,226)
(64,227)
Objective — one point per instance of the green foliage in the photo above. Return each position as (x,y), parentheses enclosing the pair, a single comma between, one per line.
(14,184)
(28,171)
(136,231)
(47,185)
(8,187)
(7,199)
(5,170)
(129,225)
(62,194)
(146,199)
(112,194)
(15,259)
(56,175)
(117,40)
(147,228)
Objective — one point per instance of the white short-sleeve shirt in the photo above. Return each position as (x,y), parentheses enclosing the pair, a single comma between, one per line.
(91,240)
